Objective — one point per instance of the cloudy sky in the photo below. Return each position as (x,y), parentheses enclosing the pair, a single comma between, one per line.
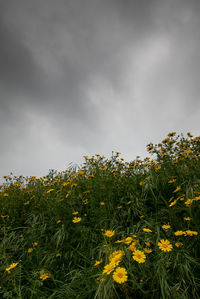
(94,76)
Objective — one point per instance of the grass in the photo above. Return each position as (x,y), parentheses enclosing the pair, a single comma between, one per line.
(61,233)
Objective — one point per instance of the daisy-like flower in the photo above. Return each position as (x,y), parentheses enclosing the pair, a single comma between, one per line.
(172,181)
(12,266)
(132,246)
(59,221)
(139,256)
(44,275)
(109,233)
(166,226)
(187,218)
(35,244)
(148,244)
(30,250)
(128,240)
(178,244)
(147,230)
(116,253)
(108,268)
(147,250)
(191,233)
(98,262)
(116,257)
(102,203)
(177,189)
(179,233)
(50,190)
(165,245)
(76,219)
(173,203)
(75,213)
(120,275)
(119,207)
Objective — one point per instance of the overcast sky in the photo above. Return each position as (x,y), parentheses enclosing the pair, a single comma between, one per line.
(94,76)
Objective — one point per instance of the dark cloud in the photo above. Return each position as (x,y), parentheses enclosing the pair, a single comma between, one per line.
(78,77)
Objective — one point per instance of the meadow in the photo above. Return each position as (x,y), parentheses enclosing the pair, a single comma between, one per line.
(106,229)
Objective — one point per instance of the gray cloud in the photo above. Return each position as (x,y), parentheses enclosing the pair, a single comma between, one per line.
(78,78)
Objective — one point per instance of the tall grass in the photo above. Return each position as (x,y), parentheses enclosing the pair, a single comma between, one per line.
(60,233)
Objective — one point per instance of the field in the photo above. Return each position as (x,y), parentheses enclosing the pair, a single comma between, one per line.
(107,229)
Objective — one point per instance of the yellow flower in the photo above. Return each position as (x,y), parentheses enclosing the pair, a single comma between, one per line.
(102,203)
(173,203)
(119,241)
(189,201)
(12,266)
(141,183)
(109,233)
(58,254)
(179,233)
(108,268)
(166,226)
(147,250)
(116,253)
(148,244)
(178,244)
(35,244)
(120,275)
(132,246)
(165,245)
(98,262)
(187,218)
(81,172)
(177,189)
(44,276)
(75,213)
(116,259)
(50,190)
(59,221)
(147,230)
(30,250)
(191,233)
(139,256)
(172,181)
(76,219)
(128,240)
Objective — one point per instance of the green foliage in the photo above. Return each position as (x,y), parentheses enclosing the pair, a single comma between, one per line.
(59,232)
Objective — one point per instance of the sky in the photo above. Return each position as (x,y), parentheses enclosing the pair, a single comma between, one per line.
(94,77)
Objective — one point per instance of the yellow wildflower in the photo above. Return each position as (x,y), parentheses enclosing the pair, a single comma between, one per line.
(166,226)
(179,233)
(76,219)
(120,275)
(12,266)
(177,189)
(147,230)
(191,233)
(147,250)
(172,181)
(98,262)
(139,256)
(109,233)
(108,268)
(165,245)
(178,244)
